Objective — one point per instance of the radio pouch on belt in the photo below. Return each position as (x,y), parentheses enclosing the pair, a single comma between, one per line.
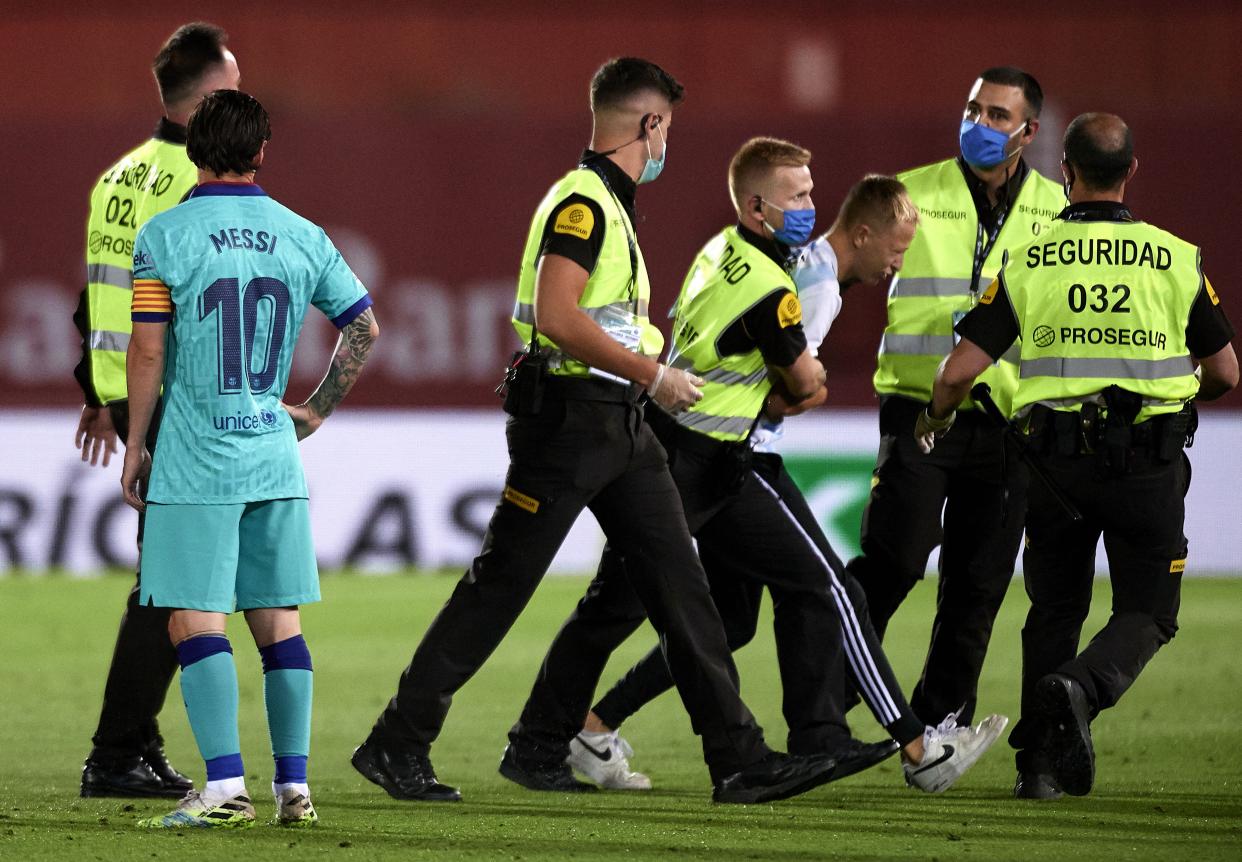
(1178,432)
(525,378)
(1116,433)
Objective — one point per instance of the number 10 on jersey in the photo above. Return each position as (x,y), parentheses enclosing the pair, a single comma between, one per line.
(236,323)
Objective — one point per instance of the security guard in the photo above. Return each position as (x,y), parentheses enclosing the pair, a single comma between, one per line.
(1112,314)
(738,325)
(972,209)
(577,440)
(128,755)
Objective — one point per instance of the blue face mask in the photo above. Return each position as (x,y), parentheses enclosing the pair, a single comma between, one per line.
(983,147)
(652,169)
(797,228)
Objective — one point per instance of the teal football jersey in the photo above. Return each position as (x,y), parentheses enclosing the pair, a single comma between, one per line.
(234,272)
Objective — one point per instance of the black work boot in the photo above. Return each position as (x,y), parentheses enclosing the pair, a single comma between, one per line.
(124,777)
(777,776)
(402,774)
(534,774)
(158,762)
(1063,710)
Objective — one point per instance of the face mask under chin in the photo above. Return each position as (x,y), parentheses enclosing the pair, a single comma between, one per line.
(653,167)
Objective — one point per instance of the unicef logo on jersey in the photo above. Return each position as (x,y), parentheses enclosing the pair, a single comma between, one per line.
(240,422)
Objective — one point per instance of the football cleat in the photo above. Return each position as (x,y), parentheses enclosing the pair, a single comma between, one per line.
(294,809)
(194,812)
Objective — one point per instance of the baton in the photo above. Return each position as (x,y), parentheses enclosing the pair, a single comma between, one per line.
(982,395)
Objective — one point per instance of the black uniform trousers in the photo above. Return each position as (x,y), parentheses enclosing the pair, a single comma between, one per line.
(144,659)
(599,455)
(1140,514)
(980,486)
(761,532)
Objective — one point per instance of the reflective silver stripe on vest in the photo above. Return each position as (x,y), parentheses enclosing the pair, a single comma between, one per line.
(1094,398)
(916,345)
(714,424)
(1117,369)
(524,312)
(733,378)
(102,339)
(106,273)
(719,375)
(1013,354)
(930,287)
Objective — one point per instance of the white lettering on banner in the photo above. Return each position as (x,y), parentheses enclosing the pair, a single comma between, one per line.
(434,332)
(393,490)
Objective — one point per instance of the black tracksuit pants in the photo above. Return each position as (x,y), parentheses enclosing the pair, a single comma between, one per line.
(761,533)
(1140,515)
(577,454)
(144,659)
(981,490)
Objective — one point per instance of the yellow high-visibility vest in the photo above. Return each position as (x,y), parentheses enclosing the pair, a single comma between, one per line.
(144,182)
(933,289)
(728,277)
(617,291)
(1100,303)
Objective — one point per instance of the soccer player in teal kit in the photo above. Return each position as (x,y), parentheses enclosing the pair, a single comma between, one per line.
(222,283)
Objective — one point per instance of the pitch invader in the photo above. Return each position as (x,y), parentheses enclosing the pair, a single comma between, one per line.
(228,523)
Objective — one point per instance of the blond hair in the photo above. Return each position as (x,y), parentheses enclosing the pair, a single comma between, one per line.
(756,159)
(878,201)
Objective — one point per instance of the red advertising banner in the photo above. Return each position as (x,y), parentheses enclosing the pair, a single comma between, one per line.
(422,141)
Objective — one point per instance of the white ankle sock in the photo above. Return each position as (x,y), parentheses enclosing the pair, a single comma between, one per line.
(226,788)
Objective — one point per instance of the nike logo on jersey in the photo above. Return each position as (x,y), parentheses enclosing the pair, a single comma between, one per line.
(948,752)
(604,755)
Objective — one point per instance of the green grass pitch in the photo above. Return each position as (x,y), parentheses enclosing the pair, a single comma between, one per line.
(1168,782)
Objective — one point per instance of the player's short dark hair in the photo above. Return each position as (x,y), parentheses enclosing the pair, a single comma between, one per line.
(226,132)
(1012,76)
(188,54)
(1099,147)
(878,201)
(623,77)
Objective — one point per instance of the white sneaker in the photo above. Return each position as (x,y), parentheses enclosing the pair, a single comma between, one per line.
(949,750)
(604,758)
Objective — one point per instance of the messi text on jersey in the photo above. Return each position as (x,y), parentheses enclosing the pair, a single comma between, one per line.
(243,239)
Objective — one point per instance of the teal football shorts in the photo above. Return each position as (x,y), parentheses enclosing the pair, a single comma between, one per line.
(227,557)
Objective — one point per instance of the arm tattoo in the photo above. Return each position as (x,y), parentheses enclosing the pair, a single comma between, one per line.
(351,354)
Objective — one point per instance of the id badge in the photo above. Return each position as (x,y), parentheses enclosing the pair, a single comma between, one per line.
(622,327)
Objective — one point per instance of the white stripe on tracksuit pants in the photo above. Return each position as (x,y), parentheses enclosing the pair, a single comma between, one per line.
(870,682)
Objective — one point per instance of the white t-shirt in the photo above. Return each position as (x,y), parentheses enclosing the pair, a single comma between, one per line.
(819,292)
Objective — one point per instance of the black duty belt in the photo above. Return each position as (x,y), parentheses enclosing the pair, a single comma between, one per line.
(673,434)
(591,389)
(1070,433)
